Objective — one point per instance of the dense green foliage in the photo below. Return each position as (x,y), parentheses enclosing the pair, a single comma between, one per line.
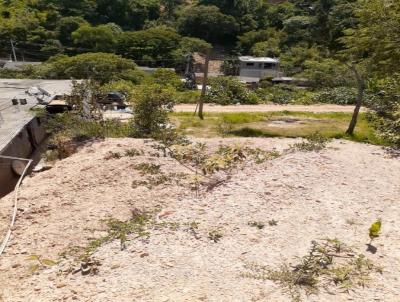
(229,90)
(151,104)
(339,45)
(385,100)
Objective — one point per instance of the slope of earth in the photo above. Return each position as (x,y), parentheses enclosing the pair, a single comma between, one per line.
(335,193)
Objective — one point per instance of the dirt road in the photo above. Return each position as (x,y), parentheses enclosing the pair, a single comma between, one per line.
(268,108)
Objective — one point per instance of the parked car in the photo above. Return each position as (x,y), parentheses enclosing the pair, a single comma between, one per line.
(113,97)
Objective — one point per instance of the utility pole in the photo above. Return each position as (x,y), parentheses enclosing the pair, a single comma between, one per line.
(204,88)
(13,50)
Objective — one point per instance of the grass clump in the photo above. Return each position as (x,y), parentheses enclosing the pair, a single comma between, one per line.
(139,225)
(272,222)
(215,236)
(112,155)
(132,152)
(120,230)
(257,224)
(152,181)
(314,142)
(329,264)
(148,168)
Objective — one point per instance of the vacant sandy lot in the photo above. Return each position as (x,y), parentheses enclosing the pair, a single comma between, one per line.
(337,192)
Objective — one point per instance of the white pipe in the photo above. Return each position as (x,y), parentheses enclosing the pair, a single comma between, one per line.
(7,237)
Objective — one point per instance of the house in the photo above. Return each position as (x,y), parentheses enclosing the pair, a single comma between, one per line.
(253,69)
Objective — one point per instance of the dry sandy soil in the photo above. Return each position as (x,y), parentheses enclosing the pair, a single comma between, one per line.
(319,108)
(311,195)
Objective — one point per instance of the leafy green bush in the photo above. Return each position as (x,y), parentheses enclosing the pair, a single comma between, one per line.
(187,97)
(125,87)
(327,73)
(151,104)
(229,90)
(69,130)
(166,77)
(336,95)
(280,94)
(384,99)
(103,67)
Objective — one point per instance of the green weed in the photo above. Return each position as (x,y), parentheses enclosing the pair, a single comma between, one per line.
(329,263)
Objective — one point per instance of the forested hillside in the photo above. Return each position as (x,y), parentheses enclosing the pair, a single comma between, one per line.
(347,49)
(152,30)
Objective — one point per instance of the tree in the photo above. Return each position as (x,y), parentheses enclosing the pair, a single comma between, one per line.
(153,46)
(170,6)
(151,104)
(129,14)
(166,77)
(297,29)
(372,48)
(102,38)
(208,23)
(102,67)
(268,48)
(376,38)
(327,73)
(385,101)
(83,8)
(247,41)
(67,25)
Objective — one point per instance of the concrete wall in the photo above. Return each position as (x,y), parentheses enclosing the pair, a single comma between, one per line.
(22,145)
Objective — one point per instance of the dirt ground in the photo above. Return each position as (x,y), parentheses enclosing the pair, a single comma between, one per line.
(335,193)
(319,108)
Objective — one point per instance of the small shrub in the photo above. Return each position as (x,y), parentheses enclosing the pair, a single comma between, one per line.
(229,90)
(314,142)
(256,224)
(336,95)
(215,235)
(133,152)
(151,105)
(329,263)
(281,94)
(272,222)
(260,156)
(39,263)
(187,97)
(146,168)
(112,155)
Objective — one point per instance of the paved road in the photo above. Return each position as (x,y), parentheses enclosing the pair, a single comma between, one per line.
(14,118)
(267,108)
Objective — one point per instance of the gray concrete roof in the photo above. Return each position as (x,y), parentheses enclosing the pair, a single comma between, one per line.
(14,118)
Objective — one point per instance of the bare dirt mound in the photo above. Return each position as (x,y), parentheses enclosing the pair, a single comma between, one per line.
(197,247)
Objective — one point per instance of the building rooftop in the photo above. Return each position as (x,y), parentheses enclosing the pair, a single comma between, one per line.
(258,59)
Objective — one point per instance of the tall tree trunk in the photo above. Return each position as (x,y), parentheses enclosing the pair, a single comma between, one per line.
(204,88)
(360,98)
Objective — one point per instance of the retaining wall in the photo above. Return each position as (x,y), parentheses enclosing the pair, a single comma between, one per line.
(23,145)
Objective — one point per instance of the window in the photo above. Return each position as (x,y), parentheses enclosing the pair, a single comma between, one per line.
(269,65)
(249,64)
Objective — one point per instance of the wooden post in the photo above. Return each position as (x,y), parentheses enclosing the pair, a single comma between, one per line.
(204,88)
